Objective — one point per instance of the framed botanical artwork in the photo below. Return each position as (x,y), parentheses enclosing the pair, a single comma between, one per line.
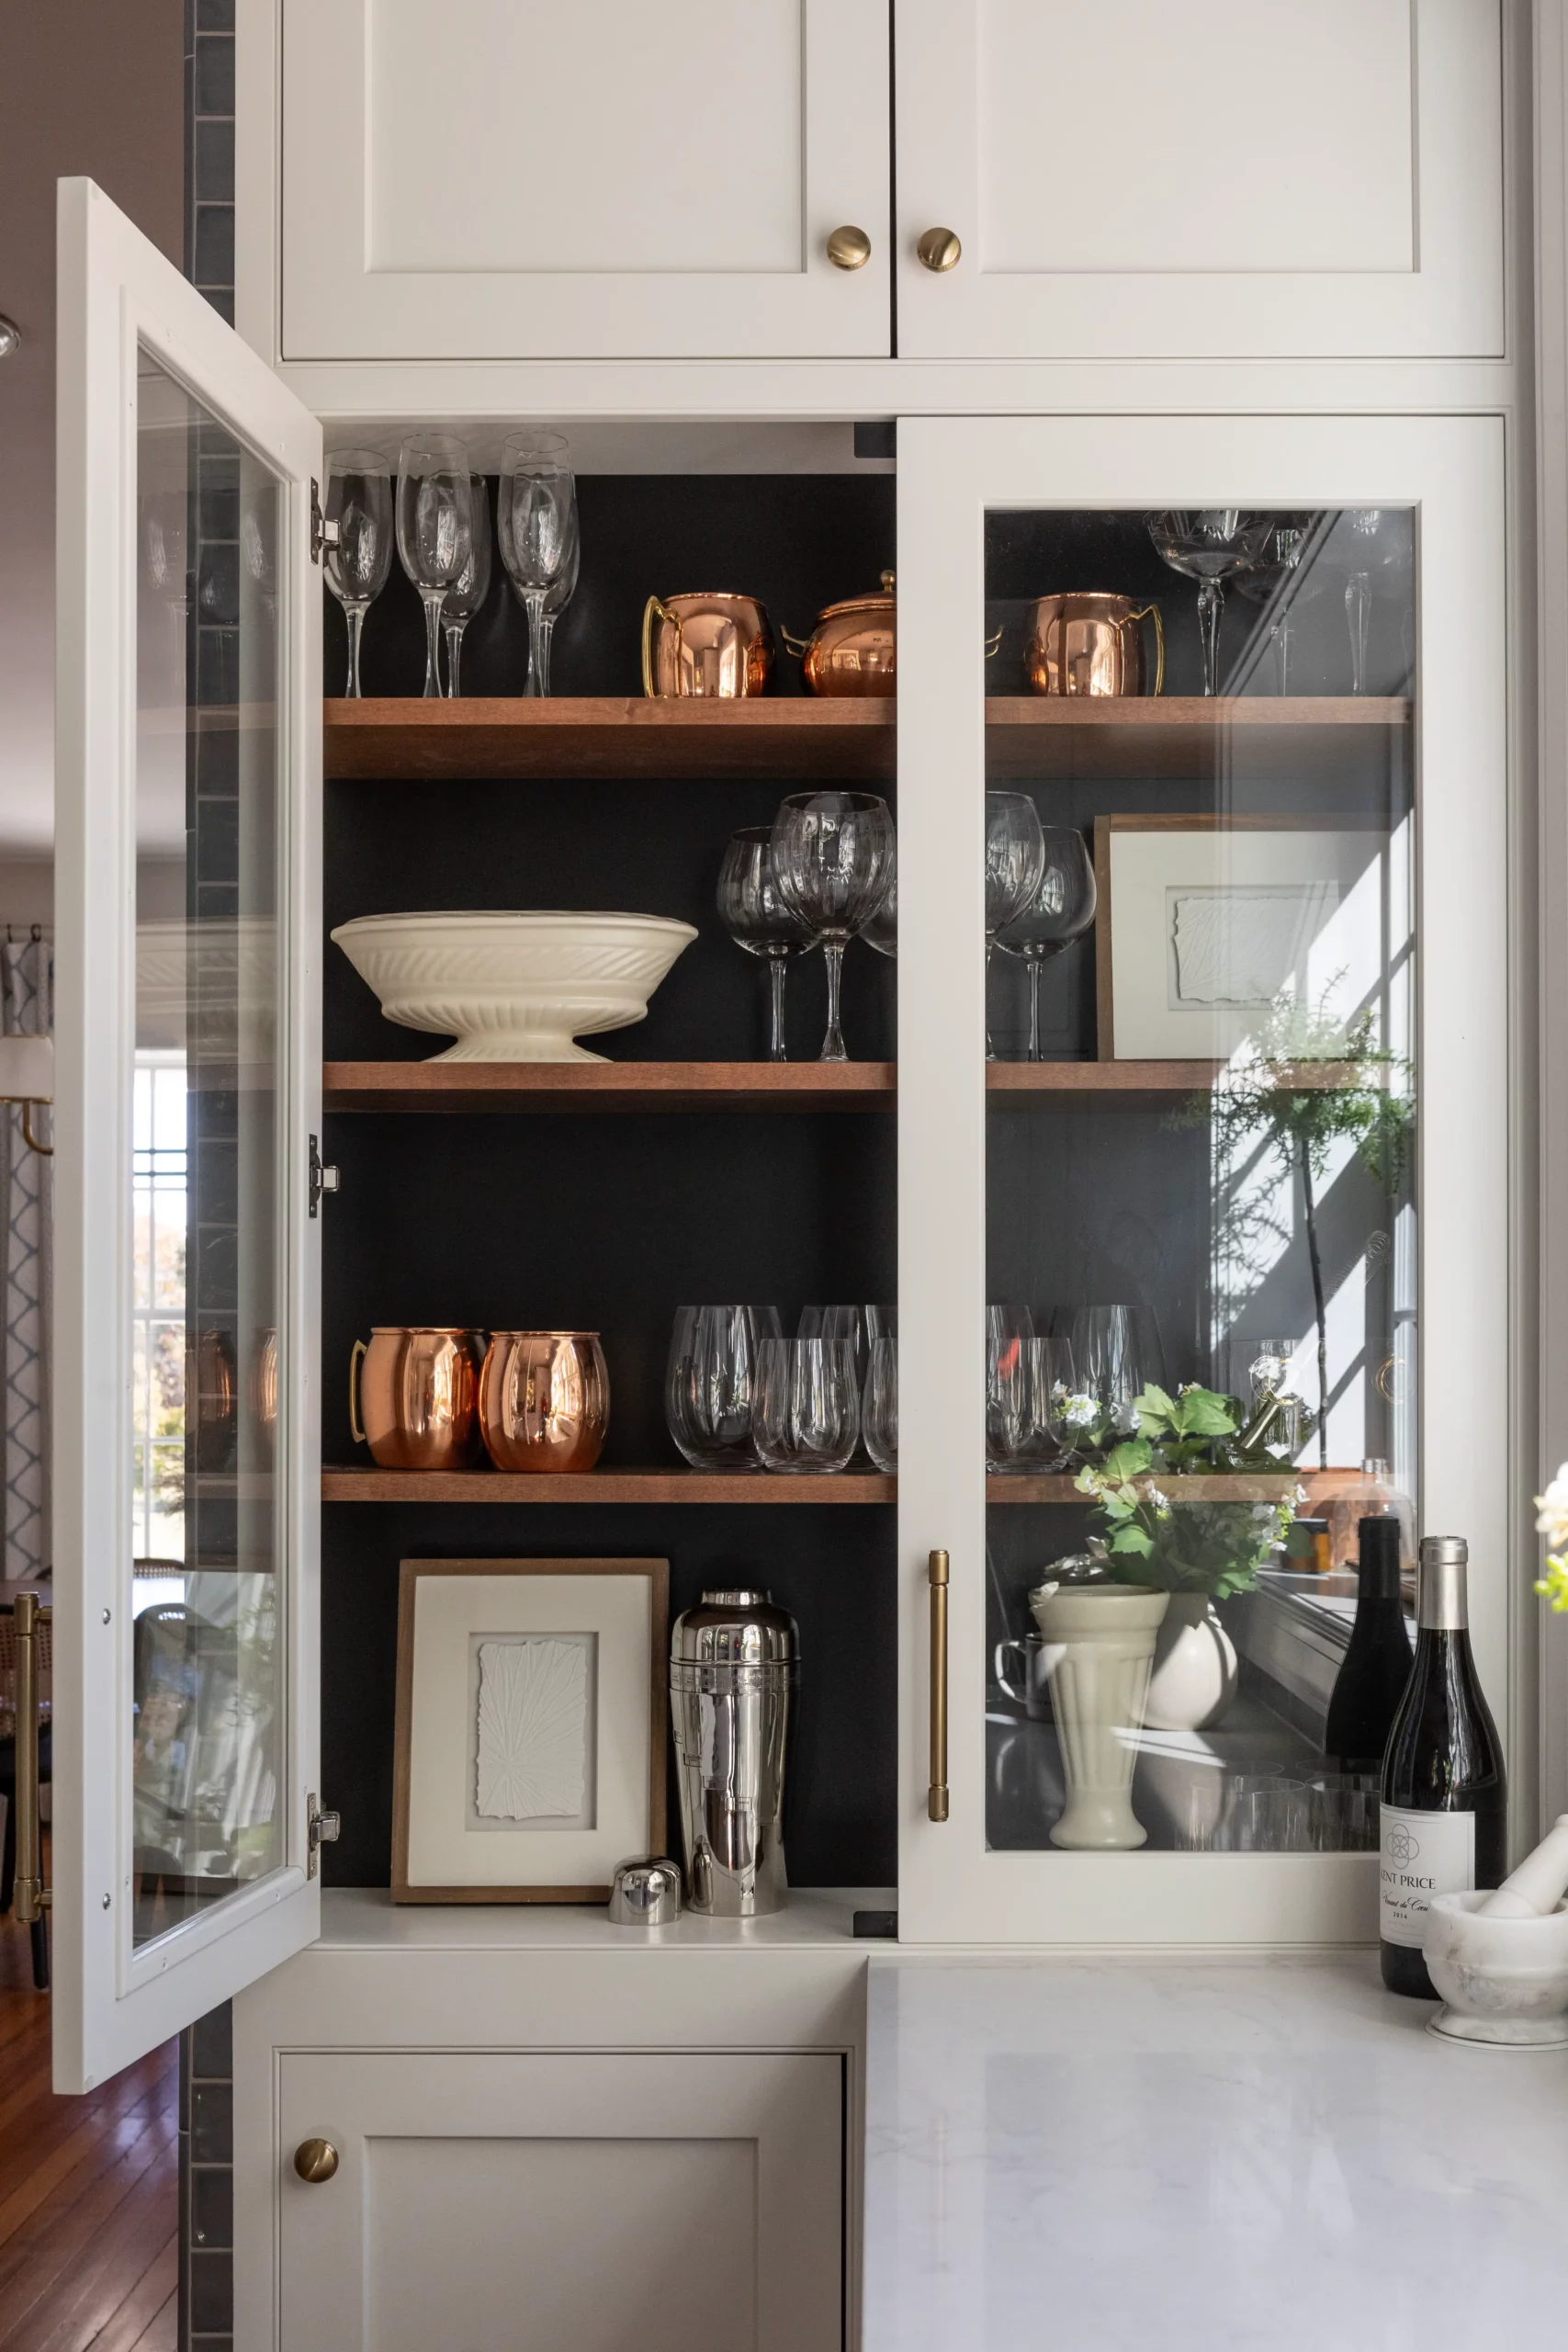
(531,1726)
(1207,924)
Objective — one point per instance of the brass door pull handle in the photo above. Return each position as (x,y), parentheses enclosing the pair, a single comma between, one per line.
(315,2161)
(940,250)
(936,1796)
(849,248)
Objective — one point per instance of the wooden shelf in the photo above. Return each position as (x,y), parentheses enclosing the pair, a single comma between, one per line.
(747,1086)
(355,1486)
(391,739)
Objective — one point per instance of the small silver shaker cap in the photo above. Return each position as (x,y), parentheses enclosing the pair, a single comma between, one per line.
(645,1894)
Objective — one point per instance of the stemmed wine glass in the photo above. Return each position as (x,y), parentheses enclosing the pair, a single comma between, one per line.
(360,501)
(435,531)
(471,587)
(833,856)
(1015,857)
(1208,544)
(538,534)
(1284,577)
(756,919)
(1061,910)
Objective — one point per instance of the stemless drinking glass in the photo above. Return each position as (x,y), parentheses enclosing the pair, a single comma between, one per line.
(538,536)
(471,587)
(1117,1353)
(1015,856)
(807,1409)
(879,1405)
(360,501)
(1062,1410)
(1208,544)
(710,1383)
(435,531)
(833,856)
(1013,1430)
(756,919)
(1061,910)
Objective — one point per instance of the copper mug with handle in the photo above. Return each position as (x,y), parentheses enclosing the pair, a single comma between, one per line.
(1090,644)
(419,1395)
(718,647)
(544,1400)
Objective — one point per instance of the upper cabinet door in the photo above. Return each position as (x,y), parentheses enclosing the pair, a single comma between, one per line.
(186,1473)
(503,179)
(1228,179)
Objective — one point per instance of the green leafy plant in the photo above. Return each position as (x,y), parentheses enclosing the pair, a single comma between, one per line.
(1151,1539)
(1276,1099)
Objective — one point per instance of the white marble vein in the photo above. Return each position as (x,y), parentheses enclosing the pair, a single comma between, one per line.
(1102,2155)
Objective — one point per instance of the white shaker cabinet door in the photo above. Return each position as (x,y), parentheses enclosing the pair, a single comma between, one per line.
(591,2200)
(503,179)
(1225,179)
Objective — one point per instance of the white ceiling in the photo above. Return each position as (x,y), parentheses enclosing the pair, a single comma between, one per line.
(94,87)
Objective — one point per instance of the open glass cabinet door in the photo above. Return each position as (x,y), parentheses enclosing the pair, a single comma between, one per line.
(1223,1221)
(186,1478)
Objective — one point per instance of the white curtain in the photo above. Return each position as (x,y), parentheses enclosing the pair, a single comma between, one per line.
(27,1008)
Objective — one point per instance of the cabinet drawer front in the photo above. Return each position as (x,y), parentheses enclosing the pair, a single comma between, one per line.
(500,179)
(1230,179)
(538,2200)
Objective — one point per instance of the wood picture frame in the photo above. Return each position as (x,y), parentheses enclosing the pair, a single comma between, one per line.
(1327,829)
(438,1723)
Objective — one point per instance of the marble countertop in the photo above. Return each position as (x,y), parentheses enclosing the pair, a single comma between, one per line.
(1201,2157)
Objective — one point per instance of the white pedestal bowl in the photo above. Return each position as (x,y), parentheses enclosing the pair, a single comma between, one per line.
(513,988)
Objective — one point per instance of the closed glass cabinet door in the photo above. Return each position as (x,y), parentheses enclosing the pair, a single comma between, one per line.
(1204,1123)
(188,1059)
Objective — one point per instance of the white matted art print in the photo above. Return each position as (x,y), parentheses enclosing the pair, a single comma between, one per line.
(530,1727)
(1206,926)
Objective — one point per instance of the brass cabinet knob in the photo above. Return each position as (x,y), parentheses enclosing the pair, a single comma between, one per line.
(315,2160)
(849,248)
(939,249)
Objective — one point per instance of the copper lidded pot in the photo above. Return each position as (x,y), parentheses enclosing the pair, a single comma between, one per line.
(1090,644)
(544,1400)
(705,646)
(418,1392)
(853,650)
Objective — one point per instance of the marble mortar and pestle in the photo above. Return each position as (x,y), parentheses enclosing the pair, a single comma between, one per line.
(1499,1957)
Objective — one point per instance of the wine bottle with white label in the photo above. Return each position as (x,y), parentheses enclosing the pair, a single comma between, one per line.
(1444,1813)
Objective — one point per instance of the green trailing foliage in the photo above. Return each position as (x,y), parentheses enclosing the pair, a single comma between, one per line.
(1149,1538)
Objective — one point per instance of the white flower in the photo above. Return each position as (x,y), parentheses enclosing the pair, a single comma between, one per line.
(1553,1507)
(1078,1411)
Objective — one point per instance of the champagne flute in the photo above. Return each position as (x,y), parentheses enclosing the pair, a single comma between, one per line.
(538,538)
(756,919)
(435,531)
(471,587)
(1060,911)
(1015,855)
(833,855)
(360,501)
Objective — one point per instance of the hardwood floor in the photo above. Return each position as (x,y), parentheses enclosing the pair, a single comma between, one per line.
(89,2190)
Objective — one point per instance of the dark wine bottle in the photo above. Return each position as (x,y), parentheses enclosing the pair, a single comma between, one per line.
(1444,1812)
(1376,1669)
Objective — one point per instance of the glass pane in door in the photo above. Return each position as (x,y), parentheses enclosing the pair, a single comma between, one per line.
(206,1594)
(1201,1215)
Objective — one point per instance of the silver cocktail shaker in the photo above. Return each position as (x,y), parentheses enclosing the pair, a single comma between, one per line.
(734,1662)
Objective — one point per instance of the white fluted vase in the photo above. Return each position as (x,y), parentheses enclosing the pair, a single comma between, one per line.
(1100,1647)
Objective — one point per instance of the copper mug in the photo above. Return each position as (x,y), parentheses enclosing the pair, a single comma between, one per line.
(1090,644)
(419,1393)
(544,1400)
(700,645)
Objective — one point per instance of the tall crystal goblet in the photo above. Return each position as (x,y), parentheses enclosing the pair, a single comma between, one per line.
(756,919)
(1285,576)
(1208,544)
(538,534)
(1061,910)
(833,856)
(1015,858)
(435,521)
(360,501)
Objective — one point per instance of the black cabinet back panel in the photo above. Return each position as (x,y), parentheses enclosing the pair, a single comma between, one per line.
(610,1223)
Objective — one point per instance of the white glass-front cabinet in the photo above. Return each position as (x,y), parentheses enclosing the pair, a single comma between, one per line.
(186,1470)
(1140,183)
(1243,1135)
(500,179)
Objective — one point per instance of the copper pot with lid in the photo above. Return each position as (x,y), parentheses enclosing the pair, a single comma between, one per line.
(853,650)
